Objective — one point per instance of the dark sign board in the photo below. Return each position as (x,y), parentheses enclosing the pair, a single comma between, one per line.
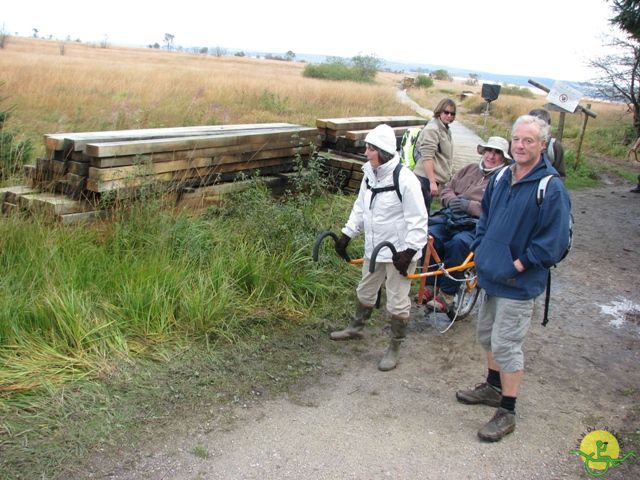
(490,91)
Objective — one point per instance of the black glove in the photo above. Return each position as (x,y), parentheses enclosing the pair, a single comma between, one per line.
(401,260)
(341,246)
(459,205)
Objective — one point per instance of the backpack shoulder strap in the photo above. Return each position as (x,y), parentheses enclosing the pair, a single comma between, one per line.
(395,186)
(547,298)
(551,154)
(542,188)
(396,180)
(499,175)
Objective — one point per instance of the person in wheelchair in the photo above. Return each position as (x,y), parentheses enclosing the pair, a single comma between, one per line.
(453,227)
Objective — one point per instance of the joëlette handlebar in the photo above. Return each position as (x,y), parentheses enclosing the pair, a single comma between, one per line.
(468,263)
(318,242)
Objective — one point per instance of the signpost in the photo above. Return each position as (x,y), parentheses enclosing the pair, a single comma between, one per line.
(490,92)
(565,99)
(564,96)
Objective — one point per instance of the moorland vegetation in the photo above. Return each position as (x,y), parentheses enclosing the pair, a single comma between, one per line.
(103,326)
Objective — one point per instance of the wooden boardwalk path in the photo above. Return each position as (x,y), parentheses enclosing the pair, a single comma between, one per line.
(465,144)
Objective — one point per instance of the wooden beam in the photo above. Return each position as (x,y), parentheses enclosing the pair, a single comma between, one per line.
(77,141)
(295,137)
(248,149)
(52,204)
(361,134)
(108,174)
(100,186)
(362,123)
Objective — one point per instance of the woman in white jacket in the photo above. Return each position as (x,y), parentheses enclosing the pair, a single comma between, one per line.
(388,212)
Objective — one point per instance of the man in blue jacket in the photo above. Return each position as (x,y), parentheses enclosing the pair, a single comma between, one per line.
(517,241)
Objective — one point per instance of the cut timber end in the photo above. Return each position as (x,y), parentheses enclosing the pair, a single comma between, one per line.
(11,194)
(52,204)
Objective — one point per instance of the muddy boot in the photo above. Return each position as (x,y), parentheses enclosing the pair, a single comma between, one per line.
(398,332)
(354,330)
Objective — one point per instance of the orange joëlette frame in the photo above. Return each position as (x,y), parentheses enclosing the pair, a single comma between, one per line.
(432,254)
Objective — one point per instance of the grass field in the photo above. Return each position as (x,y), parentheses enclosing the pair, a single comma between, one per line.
(93,89)
(94,319)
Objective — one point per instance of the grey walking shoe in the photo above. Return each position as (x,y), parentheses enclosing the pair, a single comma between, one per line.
(502,423)
(482,393)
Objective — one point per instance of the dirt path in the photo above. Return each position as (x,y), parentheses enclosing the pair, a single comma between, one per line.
(354,422)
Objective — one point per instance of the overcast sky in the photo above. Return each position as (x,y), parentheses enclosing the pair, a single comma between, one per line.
(537,38)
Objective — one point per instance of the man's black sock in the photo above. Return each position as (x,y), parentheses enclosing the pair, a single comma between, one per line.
(508,403)
(493,379)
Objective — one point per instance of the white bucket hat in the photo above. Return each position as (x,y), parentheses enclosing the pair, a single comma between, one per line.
(382,137)
(497,143)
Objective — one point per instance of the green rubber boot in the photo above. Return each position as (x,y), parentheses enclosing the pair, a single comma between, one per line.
(398,332)
(354,330)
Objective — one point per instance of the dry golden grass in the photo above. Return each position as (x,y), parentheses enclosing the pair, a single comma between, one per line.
(91,88)
(94,89)
(509,107)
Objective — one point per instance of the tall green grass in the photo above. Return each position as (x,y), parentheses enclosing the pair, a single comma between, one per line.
(76,300)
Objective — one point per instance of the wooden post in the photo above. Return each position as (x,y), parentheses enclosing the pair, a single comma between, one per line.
(584,128)
(560,131)
(486,114)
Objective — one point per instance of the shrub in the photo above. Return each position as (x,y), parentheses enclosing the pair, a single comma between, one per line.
(517,91)
(423,81)
(441,74)
(358,69)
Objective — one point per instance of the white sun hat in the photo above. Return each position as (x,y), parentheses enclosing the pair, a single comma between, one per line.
(382,137)
(497,143)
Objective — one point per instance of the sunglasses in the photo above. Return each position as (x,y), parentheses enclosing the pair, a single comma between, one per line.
(447,112)
(493,150)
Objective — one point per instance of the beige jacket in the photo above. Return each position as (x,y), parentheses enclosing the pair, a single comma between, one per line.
(435,144)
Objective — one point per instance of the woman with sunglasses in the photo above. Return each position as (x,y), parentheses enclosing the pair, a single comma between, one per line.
(434,165)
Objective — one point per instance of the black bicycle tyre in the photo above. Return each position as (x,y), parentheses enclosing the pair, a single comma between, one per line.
(464,301)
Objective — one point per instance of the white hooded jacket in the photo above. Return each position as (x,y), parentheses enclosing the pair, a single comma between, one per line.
(387,218)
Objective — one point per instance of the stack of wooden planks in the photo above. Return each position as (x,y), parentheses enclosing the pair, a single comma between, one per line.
(347,134)
(82,170)
(99,162)
(343,144)
(344,170)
